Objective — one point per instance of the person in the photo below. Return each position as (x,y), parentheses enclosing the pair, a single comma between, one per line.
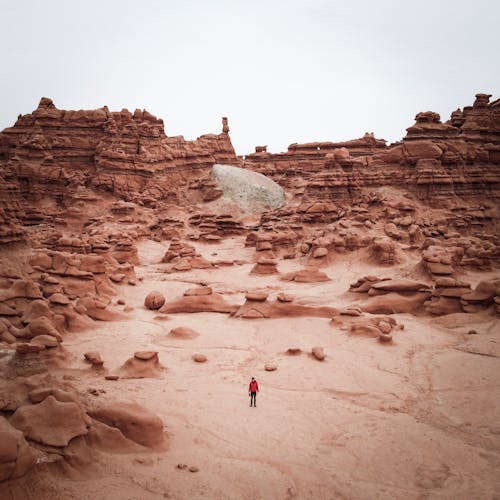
(253,389)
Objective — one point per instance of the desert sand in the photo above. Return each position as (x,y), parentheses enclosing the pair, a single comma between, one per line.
(415,419)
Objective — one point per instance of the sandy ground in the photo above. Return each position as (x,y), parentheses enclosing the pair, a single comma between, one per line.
(416,419)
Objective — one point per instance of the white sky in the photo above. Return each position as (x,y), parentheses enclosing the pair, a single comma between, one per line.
(282,71)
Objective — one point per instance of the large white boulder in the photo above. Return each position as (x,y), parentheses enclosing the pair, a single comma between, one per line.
(250,190)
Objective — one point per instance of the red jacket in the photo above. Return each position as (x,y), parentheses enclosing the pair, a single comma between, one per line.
(254,386)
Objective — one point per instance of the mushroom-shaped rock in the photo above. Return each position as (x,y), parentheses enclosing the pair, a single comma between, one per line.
(265,266)
(16,456)
(135,422)
(144,364)
(145,355)
(199,358)
(154,300)
(51,422)
(318,353)
(183,332)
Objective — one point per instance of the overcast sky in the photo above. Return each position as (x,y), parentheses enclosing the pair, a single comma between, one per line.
(282,71)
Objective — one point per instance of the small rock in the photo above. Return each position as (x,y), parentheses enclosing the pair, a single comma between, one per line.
(111,377)
(181,466)
(270,367)
(199,358)
(285,297)
(294,351)
(193,468)
(385,338)
(94,358)
(472,332)
(384,327)
(318,353)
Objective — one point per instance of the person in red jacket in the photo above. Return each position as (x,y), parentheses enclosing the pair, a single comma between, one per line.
(253,389)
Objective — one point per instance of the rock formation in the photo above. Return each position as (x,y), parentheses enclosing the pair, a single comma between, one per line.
(434,161)
(95,203)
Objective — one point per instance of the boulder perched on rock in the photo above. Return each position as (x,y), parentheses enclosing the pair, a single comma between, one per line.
(265,266)
(154,300)
(135,422)
(143,364)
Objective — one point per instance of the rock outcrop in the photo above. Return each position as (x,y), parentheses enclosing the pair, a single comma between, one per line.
(435,160)
(124,153)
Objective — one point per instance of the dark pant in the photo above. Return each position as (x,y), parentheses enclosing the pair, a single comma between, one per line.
(253,397)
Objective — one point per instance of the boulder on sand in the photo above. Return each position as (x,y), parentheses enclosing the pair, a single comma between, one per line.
(318,353)
(154,300)
(144,364)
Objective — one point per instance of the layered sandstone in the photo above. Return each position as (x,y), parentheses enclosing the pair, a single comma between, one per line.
(53,151)
(435,161)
